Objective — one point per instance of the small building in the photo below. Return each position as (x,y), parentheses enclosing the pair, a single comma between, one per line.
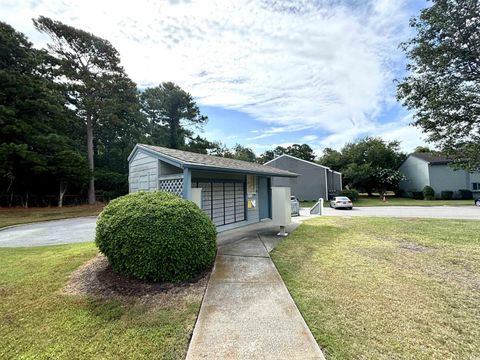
(314,181)
(232,193)
(432,169)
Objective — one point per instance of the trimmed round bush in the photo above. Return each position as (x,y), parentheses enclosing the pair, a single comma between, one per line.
(428,193)
(156,236)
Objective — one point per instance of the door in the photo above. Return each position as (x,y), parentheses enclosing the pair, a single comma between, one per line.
(264,198)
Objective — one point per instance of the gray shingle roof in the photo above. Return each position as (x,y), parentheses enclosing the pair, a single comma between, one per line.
(194,160)
(432,158)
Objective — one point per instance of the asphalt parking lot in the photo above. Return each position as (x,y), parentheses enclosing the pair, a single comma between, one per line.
(435,212)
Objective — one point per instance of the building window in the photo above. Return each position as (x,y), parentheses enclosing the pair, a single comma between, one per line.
(476,186)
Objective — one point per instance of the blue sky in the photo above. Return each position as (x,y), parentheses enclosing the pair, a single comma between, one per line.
(266,72)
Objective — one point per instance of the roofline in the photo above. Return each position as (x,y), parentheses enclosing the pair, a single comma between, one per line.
(429,162)
(191,165)
(169,159)
(252,172)
(296,158)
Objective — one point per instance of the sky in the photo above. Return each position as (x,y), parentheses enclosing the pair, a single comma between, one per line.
(265,72)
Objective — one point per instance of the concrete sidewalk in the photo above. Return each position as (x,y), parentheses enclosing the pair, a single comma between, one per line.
(247,312)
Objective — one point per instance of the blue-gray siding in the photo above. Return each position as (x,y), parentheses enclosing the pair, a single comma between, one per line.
(311,184)
(416,174)
(441,177)
(143,172)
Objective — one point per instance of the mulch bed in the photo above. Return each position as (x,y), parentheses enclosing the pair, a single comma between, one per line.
(96,278)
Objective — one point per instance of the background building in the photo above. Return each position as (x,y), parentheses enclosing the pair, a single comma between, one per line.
(314,181)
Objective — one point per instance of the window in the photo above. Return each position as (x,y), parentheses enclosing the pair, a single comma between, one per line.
(475,186)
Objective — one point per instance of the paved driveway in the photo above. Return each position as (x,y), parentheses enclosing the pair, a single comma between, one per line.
(440,212)
(81,229)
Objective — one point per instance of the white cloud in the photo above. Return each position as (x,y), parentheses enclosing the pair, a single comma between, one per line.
(397,130)
(325,65)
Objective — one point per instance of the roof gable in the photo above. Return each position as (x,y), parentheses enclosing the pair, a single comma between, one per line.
(192,160)
(432,158)
(298,159)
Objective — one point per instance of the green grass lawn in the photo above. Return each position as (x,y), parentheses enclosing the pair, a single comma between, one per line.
(378,288)
(394,201)
(14,216)
(38,322)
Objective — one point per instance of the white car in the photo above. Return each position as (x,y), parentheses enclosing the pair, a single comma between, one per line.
(341,202)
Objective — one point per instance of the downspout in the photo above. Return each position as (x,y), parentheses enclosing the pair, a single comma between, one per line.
(187,184)
(326,185)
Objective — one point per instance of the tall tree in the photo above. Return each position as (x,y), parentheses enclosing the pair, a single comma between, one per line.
(370,164)
(89,68)
(443,87)
(171,113)
(241,152)
(303,151)
(200,145)
(33,117)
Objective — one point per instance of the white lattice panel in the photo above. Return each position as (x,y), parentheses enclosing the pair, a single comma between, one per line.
(173,186)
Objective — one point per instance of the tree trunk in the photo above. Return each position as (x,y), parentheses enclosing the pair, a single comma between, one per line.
(91,165)
(61,194)
(174,127)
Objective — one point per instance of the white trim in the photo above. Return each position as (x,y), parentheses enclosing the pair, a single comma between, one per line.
(168,159)
(170,177)
(293,157)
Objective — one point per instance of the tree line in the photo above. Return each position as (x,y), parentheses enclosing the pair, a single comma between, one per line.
(70,115)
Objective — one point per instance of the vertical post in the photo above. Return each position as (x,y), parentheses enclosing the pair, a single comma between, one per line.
(282,231)
(245,195)
(187,184)
(320,207)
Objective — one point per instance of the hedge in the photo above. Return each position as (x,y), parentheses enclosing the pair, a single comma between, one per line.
(156,236)
(465,194)
(352,194)
(447,195)
(417,195)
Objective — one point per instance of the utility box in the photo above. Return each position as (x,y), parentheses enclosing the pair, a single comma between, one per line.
(281,208)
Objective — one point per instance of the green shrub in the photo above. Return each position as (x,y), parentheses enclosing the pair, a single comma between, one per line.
(352,194)
(156,236)
(447,195)
(417,195)
(465,194)
(428,193)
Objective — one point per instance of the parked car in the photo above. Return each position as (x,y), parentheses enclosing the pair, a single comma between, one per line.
(477,202)
(341,202)
(295,204)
